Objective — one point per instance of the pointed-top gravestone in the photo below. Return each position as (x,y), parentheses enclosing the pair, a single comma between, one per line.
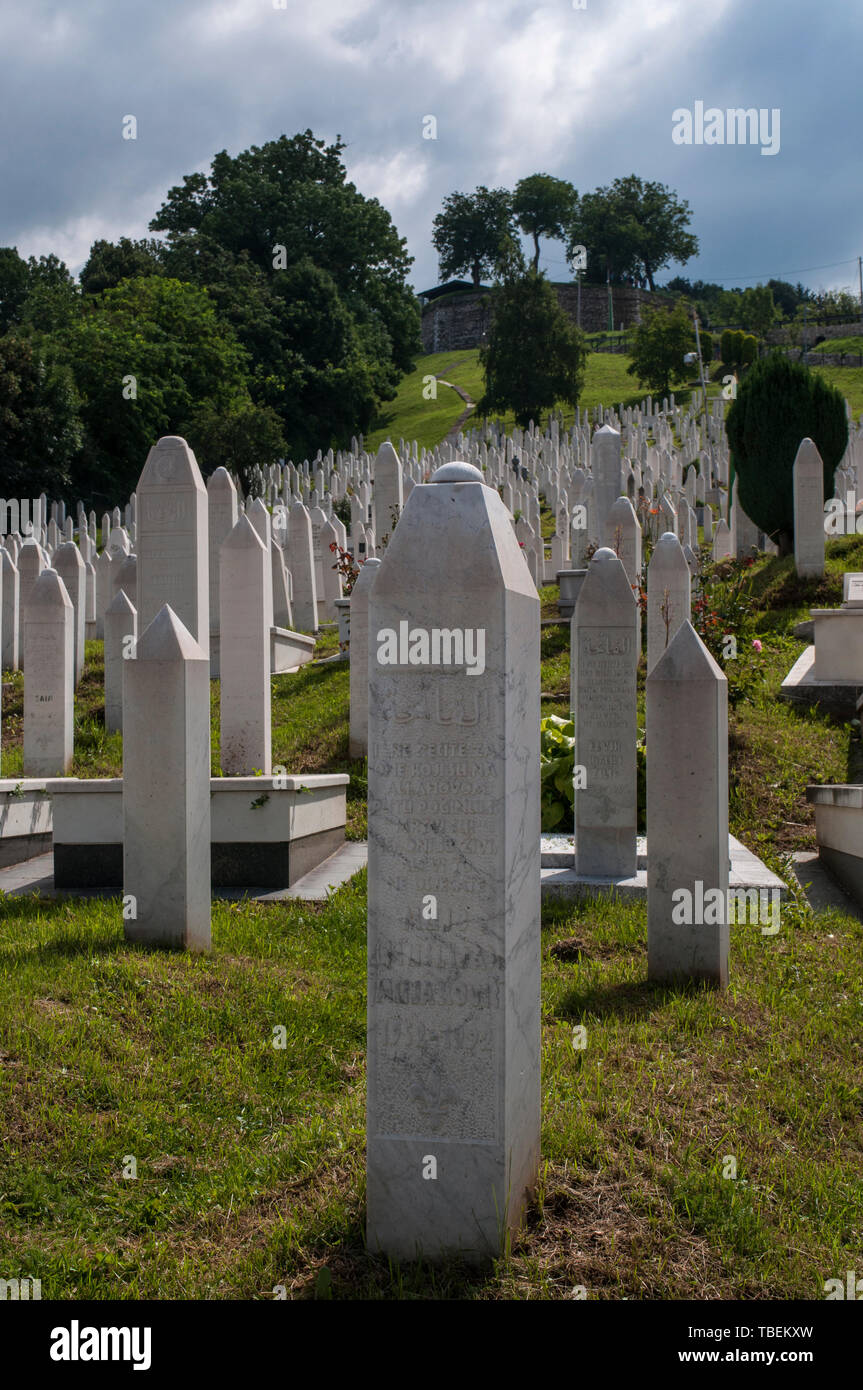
(623,536)
(605,467)
(121,624)
(301,562)
(222,512)
(246,617)
(722,548)
(453,935)
(70,567)
(808,475)
(388,490)
(172,540)
(604,646)
(10,621)
(49,678)
(687,814)
(669,595)
(166,787)
(359,659)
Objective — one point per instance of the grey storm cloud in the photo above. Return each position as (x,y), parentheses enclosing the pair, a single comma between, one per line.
(583,93)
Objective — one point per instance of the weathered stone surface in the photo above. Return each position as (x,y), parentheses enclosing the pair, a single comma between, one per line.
(453,878)
(166,787)
(49,678)
(10,612)
(808,474)
(121,624)
(604,659)
(669,585)
(172,539)
(687,814)
(246,617)
(70,567)
(359,659)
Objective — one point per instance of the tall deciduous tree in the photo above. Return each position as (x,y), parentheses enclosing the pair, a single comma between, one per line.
(632,229)
(662,339)
(535,355)
(468,233)
(544,206)
(268,214)
(40,430)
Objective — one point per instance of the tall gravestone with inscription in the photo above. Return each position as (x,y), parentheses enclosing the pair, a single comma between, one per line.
(604,646)
(49,678)
(453,928)
(172,545)
(359,659)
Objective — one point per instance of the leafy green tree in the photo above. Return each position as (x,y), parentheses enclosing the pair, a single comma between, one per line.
(535,356)
(778,404)
(748,349)
(110,262)
(40,429)
(662,339)
(149,357)
(275,210)
(544,206)
(53,298)
(632,230)
(14,284)
(249,437)
(757,310)
(469,231)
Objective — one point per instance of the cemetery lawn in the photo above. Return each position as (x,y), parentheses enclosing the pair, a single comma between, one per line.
(249,1158)
(409,416)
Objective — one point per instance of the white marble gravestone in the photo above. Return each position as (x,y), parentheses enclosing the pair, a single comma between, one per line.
(669,595)
(11,612)
(388,490)
(222,512)
(604,647)
(809,531)
(246,617)
(687,814)
(49,678)
(301,562)
(172,541)
(166,787)
(453,927)
(359,659)
(121,624)
(70,567)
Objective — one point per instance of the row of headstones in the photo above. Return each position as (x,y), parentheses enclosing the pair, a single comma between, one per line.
(454,793)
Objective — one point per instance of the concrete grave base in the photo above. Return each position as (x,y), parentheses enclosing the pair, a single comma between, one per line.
(839,831)
(262,836)
(838,697)
(25,819)
(559,879)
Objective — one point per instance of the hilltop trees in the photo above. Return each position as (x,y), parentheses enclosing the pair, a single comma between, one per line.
(468,234)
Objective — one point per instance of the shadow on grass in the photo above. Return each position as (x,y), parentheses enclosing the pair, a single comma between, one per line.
(627,1000)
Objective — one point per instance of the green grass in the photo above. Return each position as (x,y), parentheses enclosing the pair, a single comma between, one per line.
(409,416)
(848,380)
(250,1158)
(854,345)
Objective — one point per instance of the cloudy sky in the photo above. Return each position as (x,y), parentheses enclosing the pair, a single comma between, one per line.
(515,87)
